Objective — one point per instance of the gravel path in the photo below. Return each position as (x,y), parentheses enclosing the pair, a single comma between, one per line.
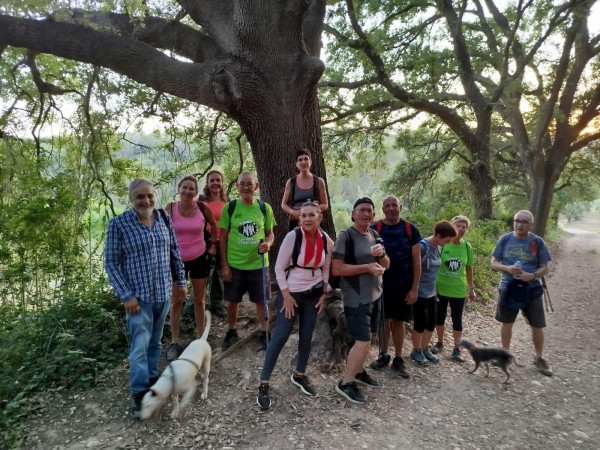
(439,406)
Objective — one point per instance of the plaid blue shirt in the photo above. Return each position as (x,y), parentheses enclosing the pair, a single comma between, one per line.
(139,260)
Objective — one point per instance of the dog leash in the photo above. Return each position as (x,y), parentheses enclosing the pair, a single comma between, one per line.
(547,301)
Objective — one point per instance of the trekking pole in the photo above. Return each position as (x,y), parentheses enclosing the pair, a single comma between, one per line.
(547,301)
(264,283)
(381,327)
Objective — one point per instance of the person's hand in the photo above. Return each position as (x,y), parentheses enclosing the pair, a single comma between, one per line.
(525,276)
(263,248)
(377,250)
(411,297)
(472,295)
(132,306)
(376,269)
(182,292)
(295,214)
(515,270)
(212,249)
(226,274)
(321,303)
(288,305)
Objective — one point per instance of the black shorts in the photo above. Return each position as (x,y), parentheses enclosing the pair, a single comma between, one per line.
(533,313)
(359,322)
(200,267)
(250,281)
(394,304)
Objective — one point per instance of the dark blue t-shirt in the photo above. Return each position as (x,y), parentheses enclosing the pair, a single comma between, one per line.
(398,246)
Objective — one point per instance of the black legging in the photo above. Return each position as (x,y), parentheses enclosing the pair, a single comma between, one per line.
(424,314)
(457,305)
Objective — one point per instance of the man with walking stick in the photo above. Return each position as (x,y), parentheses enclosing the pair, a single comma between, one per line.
(246,237)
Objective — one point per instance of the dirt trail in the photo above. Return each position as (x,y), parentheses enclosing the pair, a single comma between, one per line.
(441,406)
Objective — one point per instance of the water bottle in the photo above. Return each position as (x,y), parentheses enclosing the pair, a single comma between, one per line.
(518,264)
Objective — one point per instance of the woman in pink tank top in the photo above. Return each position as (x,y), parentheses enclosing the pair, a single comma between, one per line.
(190,218)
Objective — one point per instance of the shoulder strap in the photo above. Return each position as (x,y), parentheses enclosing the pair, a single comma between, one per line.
(262,206)
(163,214)
(230,210)
(297,245)
(201,198)
(325,243)
(408,230)
(379,226)
(201,206)
(315,188)
(292,190)
(349,257)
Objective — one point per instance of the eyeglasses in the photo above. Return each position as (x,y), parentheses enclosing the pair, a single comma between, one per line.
(242,185)
(522,222)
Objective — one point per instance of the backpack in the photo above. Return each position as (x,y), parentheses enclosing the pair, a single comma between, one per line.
(231,208)
(315,195)
(349,256)
(427,246)
(169,223)
(298,245)
(379,227)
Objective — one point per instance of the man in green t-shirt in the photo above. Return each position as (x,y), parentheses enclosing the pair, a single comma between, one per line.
(244,224)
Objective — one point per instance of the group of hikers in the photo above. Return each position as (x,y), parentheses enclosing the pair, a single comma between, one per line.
(388,275)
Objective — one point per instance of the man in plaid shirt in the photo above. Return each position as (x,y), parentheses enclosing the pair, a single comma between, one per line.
(142,261)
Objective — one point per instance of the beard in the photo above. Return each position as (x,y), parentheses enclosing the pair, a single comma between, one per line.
(146,213)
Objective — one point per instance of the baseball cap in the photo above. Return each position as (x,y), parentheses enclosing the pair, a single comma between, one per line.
(363,200)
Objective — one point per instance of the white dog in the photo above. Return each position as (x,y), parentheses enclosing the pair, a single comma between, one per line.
(180,378)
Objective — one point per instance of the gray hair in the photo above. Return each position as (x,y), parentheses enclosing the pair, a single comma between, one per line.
(135,183)
(527,212)
(244,174)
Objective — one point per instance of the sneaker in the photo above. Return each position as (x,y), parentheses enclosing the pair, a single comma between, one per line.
(366,379)
(417,356)
(230,338)
(262,337)
(542,366)
(398,367)
(136,403)
(263,399)
(173,351)
(437,348)
(219,311)
(304,384)
(382,361)
(456,355)
(350,392)
(430,356)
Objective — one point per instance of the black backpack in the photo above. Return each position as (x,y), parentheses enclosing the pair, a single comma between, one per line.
(298,244)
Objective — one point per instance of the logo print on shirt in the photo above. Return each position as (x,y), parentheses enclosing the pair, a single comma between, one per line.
(248,228)
(453,264)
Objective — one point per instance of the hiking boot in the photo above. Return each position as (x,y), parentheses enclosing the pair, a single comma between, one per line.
(230,338)
(350,392)
(398,367)
(136,403)
(304,384)
(263,398)
(366,379)
(382,361)
(437,348)
(456,355)
(417,356)
(173,351)
(262,337)
(430,356)
(219,311)
(542,366)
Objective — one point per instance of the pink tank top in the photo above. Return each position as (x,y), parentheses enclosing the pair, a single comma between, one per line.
(216,206)
(190,233)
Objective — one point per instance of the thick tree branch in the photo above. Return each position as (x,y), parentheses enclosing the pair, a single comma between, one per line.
(155,31)
(312,26)
(43,86)
(139,61)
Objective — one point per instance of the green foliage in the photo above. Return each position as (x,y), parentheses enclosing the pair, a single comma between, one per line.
(66,344)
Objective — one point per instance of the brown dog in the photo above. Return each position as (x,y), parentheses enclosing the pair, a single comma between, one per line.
(483,355)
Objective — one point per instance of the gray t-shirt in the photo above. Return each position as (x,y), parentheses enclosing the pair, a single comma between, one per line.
(430,264)
(364,288)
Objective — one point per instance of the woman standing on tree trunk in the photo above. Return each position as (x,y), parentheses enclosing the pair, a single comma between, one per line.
(302,272)
(190,217)
(301,188)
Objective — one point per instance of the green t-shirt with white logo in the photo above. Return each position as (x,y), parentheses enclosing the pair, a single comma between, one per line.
(452,276)
(248,227)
